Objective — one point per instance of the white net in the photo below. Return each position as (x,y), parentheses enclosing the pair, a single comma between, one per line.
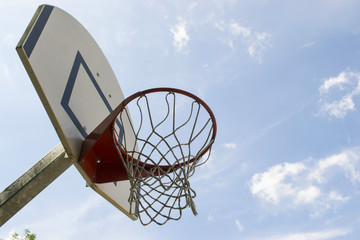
(167,141)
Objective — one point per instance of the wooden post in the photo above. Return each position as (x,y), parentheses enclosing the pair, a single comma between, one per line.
(32,182)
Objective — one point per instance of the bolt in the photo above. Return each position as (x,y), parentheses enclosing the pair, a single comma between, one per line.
(98,161)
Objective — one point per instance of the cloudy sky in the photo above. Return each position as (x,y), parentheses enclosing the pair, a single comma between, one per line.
(283,80)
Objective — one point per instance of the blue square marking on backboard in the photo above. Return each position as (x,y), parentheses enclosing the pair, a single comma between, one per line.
(79,61)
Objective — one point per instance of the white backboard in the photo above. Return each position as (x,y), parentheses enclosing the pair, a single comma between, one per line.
(75,83)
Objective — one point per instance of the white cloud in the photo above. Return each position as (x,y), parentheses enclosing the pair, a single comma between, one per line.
(239,226)
(308,44)
(337,81)
(347,161)
(333,195)
(220,25)
(337,94)
(271,185)
(230,43)
(339,108)
(308,183)
(326,202)
(5,71)
(233,28)
(308,195)
(236,29)
(319,235)
(192,6)
(231,145)
(255,42)
(212,213)
(259,45)
(181,37)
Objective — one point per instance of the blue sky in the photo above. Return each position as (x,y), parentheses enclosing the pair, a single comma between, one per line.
(283,80)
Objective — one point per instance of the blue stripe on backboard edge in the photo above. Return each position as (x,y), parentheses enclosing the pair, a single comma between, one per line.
(37,30)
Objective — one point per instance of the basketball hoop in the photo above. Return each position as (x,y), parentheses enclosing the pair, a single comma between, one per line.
(171,131)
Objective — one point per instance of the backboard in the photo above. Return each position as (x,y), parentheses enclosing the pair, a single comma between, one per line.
(75,83)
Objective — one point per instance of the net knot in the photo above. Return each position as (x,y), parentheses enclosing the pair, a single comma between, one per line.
(133,194)
(189,198)
(190,202)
